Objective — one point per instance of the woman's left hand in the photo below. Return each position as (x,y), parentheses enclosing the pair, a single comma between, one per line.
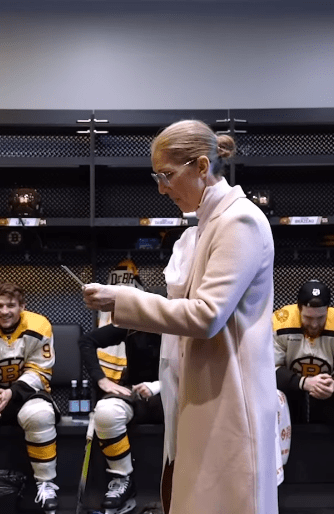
(100,297)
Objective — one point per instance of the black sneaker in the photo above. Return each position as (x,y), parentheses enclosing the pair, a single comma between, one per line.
(47,496)
(120,489)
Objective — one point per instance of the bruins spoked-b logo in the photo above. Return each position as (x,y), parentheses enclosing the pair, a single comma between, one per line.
(310,366)
(10,370)
(282,315)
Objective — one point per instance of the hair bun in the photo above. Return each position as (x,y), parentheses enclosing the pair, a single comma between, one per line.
(226,146)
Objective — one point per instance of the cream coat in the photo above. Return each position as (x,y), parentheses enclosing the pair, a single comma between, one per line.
(225,462)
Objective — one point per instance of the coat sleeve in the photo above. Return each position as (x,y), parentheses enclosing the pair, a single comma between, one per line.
(224,272)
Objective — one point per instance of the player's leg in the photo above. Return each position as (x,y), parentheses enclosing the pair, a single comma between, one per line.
(37,418)
(111,418)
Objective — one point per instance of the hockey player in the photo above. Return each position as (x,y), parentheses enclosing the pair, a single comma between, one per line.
(123,399)
(26,360)
(304,353)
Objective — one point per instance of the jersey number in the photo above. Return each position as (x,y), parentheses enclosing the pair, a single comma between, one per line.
(46,351)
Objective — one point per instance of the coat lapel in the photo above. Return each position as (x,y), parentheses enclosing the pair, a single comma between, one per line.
(234,194)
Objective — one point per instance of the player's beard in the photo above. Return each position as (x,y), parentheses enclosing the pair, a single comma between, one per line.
(313,334)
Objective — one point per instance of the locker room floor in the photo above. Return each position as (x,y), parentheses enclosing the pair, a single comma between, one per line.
(67,504)
(306,498)
(294,499)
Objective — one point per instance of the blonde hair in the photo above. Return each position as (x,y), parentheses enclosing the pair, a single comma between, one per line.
(189,139)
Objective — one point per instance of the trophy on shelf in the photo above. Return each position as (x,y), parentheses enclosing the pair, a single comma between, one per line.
(24,202)
(263,199)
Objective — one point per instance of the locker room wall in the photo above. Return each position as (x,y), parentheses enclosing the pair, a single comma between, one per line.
(96,54)
(300,255)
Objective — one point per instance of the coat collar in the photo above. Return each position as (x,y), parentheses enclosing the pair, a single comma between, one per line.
(215,200)
(234,194)
(228,199)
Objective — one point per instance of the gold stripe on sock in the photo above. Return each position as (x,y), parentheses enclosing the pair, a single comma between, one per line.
(42,453)
(117,449)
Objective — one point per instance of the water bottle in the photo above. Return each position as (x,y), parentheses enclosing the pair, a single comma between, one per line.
(73,402)
(85,399)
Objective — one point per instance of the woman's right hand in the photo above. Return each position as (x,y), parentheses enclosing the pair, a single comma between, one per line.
(100,297)
(108,386)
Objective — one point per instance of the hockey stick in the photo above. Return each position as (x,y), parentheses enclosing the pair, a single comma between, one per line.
(85,464)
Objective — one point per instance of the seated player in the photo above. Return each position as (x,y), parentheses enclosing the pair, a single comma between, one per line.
(26,360)
(126,394)
(304,354)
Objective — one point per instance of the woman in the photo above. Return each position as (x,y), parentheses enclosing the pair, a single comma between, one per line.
(220,277)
